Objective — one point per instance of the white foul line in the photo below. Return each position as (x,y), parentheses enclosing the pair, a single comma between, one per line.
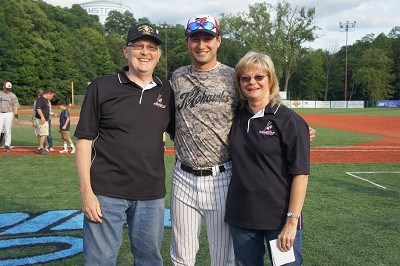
(366,180)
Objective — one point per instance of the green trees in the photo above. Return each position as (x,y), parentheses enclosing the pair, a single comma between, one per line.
(281,38)
(42,46)
(49,47)
(374,74)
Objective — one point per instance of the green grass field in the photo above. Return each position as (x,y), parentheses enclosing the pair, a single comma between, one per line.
(349,219)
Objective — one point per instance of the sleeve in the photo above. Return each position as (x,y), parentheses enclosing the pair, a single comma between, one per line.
(67,115)
(296,138)
(171,124)
(88,124)
(15,103)
(39,103)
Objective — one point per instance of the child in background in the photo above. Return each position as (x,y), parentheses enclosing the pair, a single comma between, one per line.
(65,127)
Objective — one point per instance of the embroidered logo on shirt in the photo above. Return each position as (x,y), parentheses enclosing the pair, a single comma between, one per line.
(159,102)
(268,130)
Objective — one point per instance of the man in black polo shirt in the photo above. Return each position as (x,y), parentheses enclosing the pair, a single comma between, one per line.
(42,115)
(120,152)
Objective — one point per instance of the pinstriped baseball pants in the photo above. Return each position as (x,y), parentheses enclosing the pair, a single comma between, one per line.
(192,198)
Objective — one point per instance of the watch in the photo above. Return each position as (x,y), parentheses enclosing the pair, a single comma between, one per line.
(291,215)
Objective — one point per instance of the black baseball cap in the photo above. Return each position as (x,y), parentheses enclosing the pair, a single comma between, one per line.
(143,30)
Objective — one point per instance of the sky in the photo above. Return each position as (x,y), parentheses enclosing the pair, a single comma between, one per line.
(372,17)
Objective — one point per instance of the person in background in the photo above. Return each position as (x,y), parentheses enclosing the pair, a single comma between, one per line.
(65,127)
(2,138)
(120,155)
(38,94)
(49,138)
(42,114)
(270,149)
(8,112)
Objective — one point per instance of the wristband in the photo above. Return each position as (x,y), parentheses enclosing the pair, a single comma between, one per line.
(16,116)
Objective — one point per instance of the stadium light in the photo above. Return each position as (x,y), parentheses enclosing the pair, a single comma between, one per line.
(165,26)
(346,27)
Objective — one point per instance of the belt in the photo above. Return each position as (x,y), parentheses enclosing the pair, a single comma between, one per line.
(201,171)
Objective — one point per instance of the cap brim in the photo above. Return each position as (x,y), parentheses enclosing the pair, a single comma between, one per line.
(156,40)
(202,31)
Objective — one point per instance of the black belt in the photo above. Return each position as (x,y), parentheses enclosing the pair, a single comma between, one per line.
(201,172)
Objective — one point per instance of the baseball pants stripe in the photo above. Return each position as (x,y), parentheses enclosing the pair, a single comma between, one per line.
(194,197)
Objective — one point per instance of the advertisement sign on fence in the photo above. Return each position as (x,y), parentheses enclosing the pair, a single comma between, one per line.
(388,103)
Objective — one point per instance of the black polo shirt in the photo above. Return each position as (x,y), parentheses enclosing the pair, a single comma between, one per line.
(127,124)
(44,105)
(267,149)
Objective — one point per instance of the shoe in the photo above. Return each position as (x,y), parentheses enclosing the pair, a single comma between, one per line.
(7,148)
(38,150)
(1,146)
(63,151)
(73,150)
(51,149)
(43,151)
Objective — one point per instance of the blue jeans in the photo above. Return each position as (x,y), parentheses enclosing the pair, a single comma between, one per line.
(250,248)
(49,138)
(102,241)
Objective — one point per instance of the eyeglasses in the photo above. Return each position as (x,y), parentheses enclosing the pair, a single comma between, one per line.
(207,25)
(140,47)
(247,79)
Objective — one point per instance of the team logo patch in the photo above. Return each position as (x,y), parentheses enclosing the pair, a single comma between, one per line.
(268,130)
(159,102)
(146,29)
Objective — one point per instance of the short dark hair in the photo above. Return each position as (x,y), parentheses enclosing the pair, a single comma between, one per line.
(49,91)
(62,102)
(39,92)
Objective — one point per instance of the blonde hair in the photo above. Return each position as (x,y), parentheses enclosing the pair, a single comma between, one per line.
(261,61)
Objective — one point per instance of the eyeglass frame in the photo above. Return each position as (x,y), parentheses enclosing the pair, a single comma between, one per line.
(137,45)
(257,77)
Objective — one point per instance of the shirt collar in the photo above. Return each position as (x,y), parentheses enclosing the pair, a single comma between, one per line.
(267,110)
(123,78)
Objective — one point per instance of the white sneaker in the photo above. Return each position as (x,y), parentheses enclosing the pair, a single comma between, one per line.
(73,150)
(63,151)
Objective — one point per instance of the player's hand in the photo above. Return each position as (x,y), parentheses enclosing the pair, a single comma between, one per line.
(91,207)
(313,133)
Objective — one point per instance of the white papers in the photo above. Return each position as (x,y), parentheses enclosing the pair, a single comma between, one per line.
(279,257)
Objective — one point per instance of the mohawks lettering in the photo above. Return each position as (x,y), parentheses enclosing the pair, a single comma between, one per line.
(199,96)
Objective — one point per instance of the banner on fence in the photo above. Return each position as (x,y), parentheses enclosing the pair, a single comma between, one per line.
(338,104)
(322,104)
(388,103)
(355,104)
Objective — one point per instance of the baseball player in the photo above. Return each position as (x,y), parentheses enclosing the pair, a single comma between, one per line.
(8,112)
(205,100)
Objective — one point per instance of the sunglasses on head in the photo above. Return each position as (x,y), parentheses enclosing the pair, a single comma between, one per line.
(247,79)
(207,25)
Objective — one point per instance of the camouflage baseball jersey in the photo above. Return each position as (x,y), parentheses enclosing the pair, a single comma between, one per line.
(205,105)
(8,101)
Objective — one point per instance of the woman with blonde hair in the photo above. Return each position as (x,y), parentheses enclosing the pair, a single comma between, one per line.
(270,148)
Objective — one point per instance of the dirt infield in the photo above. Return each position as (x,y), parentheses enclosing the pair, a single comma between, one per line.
(386,150)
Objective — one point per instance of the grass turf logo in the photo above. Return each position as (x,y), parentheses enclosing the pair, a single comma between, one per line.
(22,230)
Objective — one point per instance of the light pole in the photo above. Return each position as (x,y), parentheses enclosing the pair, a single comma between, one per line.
(165,26)
(346,26)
